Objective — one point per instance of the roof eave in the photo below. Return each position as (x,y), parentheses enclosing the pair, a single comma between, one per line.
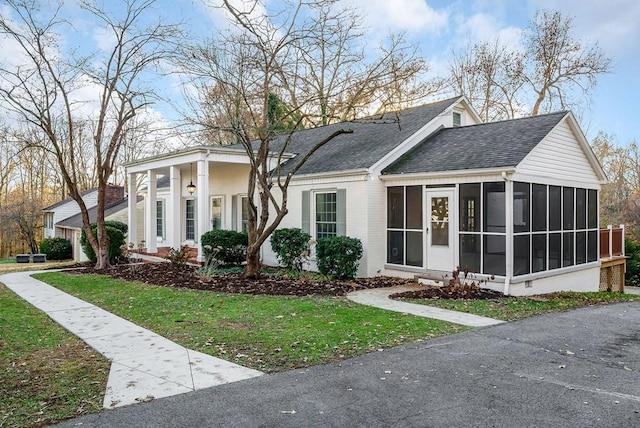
(447,174)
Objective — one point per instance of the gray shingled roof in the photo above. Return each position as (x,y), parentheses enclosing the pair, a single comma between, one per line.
(371,140)
(75,221)
(490,145)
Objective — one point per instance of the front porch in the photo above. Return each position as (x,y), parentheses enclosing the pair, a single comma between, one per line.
(186,194)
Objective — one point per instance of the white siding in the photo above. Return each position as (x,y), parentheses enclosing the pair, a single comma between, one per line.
(578,280)
(227,180)
(558,158)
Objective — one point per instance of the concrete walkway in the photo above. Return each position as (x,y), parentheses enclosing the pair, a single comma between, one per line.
(144,365)
(379,297)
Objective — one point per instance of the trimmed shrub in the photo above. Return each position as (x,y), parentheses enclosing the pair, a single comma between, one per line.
(116,231)
(291,247)
(56,248)
(338,256)
(231,245)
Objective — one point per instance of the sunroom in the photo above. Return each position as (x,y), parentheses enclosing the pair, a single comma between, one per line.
(514,232)
(514,202)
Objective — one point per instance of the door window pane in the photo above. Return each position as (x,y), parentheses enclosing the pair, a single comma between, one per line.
(395,247)
(567,208)
(593,209)
(395,207)
(414,207)
(521,245)
(494,254)
(414,248)
(520,207)
(440,221)
(567,249)
(470,252)
(539,253)
(539,207)
(470,207)
(494,207)
(555,250)
(216,213)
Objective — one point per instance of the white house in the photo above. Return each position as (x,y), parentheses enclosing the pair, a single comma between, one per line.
(425,189)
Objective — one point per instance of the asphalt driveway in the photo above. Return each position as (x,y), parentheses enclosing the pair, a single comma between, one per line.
(575,369)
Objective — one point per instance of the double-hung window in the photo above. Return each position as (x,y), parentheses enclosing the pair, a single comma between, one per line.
(190,219)
(326,214)
(160,220)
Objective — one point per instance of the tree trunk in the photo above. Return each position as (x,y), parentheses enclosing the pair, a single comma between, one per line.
(252,269)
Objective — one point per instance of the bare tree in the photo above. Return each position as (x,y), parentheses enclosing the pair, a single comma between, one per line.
(43,90)
(490,76)
(246,68)
(346,79)
(558,63)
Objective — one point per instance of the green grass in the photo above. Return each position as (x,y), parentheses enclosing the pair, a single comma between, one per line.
(7,260)
(268,333)
(509,309)
(46,374)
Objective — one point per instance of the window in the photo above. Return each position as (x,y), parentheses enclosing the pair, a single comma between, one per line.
(216,213)
(457,118)
(564,228)
(326,215)
(48,220)
(521,207)
(160,223)
(190,219)
(405,244)
(244,213)
(482,238)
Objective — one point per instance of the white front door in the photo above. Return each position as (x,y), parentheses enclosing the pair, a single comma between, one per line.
(440,211)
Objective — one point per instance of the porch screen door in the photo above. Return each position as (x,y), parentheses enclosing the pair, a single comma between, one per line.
(440,233)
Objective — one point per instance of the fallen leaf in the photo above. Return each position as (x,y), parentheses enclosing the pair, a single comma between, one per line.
(288,412)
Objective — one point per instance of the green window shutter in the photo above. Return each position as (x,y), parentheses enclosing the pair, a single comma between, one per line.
(306,211)
(234,212)
(341,212)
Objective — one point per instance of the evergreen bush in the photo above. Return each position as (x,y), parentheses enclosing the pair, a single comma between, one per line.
(338,256)
(116,230)
(56,248)
(291,247)
(230,246)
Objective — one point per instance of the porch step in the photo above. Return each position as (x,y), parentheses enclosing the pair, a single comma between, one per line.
(428,278)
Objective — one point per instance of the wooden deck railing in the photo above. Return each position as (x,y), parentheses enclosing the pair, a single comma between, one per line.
(612,242)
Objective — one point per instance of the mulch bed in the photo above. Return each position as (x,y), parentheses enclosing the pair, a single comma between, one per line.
(452,293)
(186,276)
(168,275)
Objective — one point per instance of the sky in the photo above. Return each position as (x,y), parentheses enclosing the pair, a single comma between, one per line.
(437,27)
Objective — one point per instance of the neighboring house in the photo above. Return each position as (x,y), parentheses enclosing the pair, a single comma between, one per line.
(117,211)
(63,219)
(425,189)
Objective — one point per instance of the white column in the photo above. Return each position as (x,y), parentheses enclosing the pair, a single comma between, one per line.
(174,225)
(202,202)
(132,214)
(150,234)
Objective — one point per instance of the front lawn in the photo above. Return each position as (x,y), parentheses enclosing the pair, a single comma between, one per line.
(268,333)
(46,374)
(511,308)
